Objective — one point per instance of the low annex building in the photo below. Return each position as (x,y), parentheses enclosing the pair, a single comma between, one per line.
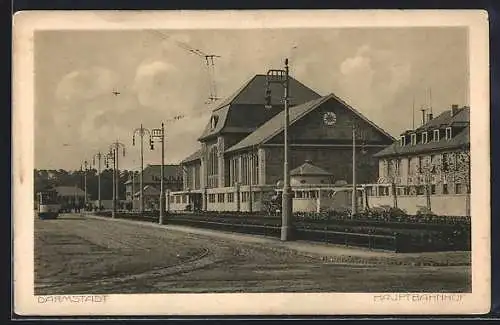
(240,160)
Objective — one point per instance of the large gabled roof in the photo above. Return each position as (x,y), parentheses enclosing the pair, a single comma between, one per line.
(275,125)
(249,102)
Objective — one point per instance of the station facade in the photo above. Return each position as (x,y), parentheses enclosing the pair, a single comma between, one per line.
(240,159)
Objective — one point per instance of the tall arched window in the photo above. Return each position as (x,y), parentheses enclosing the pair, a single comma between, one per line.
(212,166)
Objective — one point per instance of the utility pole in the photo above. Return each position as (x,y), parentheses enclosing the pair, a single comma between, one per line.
(99,156)
(159,134)
(85,165)
(111,158)
(282,77)
(133,188)
(250,183)
(141,132)
(354,192)
(115,149)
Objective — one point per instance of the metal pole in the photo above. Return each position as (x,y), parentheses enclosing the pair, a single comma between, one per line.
(99,181)
(162,189)
(133,189)
(250,199)
(142,169)
(117,183)
(85,184)
(113,157)
(286,222)
(354,194)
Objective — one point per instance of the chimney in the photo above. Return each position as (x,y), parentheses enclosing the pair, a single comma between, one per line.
(423,115)
(429,117)
(454,109)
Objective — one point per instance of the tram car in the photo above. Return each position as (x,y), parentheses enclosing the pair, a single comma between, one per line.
(48,204)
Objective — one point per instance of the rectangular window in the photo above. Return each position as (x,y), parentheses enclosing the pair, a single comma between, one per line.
(184,199)
(244,196)
(445,188)
(230,197)
(211,198)
(448,133)
(424,137)
(433,189)
(402,141)
(220,197)
(436,135)
(458,189)
(413,139)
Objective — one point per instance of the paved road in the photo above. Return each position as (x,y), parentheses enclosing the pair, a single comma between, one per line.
(77,255)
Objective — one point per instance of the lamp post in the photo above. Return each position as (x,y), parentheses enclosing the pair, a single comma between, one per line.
(115,149)
(281,77)
(116,146)
(83,169)
(133,189)
(354,191)
(141,132)
(85,165)
(159,134)
(98,157)
(110,157)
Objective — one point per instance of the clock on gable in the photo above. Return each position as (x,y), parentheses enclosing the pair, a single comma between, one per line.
(329,118)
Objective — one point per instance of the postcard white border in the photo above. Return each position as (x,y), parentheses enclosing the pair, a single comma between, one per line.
(25,303)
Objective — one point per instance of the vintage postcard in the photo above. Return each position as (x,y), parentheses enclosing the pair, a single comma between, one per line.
(251,163)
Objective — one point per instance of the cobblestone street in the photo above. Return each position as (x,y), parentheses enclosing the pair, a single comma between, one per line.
(77,255)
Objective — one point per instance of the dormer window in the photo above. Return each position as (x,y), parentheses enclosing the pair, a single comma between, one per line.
(402,141)
(424,137)
(448,133)
(213,122)
(413,139)
(436,135)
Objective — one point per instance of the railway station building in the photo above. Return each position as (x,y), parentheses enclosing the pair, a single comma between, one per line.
(428,167)
(240,160)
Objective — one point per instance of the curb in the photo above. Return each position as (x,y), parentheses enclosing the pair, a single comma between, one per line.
(335,259)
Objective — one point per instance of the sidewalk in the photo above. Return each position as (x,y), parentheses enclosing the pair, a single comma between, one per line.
(327,252)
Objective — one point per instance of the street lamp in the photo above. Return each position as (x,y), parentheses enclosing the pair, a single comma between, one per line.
(282,77)
(142,132)
(84,167)
(110,157)
(115,149)
(99,157)
(159,134)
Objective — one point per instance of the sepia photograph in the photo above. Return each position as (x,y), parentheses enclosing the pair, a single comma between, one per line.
(270,161)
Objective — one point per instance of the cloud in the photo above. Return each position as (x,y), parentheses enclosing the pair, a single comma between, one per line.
(151,83)
(372,78)
(85,84)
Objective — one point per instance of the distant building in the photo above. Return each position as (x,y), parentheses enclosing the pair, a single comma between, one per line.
(431,162)
(241,156)
(70,195)
(151,182)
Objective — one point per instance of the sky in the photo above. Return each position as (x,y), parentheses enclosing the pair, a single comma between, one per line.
(380,72)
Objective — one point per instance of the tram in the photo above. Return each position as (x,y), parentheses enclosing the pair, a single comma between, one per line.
(48,204)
